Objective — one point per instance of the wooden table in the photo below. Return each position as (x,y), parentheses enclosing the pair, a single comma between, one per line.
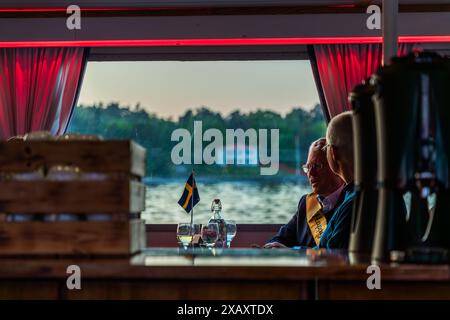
(230,274)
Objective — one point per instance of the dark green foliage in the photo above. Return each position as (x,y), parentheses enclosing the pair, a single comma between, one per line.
(152,132)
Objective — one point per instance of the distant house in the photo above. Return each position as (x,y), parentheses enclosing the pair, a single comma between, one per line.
(239,154)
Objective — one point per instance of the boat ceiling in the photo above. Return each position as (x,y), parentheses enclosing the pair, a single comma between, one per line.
(324,4)
(117,20)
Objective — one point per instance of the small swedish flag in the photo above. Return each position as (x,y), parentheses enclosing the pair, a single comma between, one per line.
(190,195)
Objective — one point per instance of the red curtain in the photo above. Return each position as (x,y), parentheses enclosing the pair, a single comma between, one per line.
(339,68)
(39,88)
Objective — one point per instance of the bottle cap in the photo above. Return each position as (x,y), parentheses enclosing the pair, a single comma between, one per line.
(216,202)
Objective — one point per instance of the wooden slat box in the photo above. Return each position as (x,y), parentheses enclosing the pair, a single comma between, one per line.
(110,238)
(114,196)
(118,192)
(109,156)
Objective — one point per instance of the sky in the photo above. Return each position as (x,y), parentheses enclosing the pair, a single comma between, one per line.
(169,88)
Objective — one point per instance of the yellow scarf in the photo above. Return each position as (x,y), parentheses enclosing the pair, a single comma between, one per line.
(315,217)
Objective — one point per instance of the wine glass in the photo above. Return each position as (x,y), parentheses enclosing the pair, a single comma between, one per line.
(185,233)
(210,234)
(231,231)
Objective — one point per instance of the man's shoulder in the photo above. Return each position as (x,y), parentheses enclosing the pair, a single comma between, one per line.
(301,206)
(302,199)
(349,197)
(346,206)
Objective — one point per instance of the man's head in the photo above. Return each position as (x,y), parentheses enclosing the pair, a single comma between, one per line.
(339,147)
(323,181)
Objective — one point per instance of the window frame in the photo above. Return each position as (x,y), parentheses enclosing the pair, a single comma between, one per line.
(202,53)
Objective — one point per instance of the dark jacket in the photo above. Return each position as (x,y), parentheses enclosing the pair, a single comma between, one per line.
(296,232)
(337,233)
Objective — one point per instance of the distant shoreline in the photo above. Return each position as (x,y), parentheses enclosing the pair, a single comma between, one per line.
(222,179)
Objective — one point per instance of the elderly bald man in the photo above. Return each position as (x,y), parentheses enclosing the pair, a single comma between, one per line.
(315,209)
(339,150)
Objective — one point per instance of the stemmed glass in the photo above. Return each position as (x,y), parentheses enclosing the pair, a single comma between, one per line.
(210,234)
(231,231)
(185,233)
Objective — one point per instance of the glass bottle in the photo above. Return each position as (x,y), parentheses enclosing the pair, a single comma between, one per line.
(216,208)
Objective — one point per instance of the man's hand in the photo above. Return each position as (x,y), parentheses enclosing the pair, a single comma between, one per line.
(272,245)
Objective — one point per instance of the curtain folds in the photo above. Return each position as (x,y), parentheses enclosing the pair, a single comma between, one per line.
(39,88)
(338,68)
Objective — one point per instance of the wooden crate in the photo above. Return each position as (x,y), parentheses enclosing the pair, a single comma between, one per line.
(115,196)
(119,193)
(72,238)
(112,156)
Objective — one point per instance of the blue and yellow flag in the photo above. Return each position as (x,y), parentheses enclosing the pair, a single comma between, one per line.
(190,190)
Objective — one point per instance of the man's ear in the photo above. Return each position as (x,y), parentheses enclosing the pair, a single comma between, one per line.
(333,153)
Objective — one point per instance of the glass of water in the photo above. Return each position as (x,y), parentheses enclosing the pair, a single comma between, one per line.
(231,231)
(185,233)
(210,234)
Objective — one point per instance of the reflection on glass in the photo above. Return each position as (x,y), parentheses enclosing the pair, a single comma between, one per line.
(210,234)
(231,231)
(407,199)
(431,201)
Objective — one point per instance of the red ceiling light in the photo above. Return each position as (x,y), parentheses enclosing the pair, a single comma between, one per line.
(189,42)
(427,39)
(22,10)
(216,42)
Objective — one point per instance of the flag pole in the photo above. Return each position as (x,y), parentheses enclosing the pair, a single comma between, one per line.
(192,208)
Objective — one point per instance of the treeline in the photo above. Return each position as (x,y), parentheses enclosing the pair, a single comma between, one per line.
(297,130)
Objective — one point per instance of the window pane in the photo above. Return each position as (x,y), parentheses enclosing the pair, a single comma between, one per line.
(248,103)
